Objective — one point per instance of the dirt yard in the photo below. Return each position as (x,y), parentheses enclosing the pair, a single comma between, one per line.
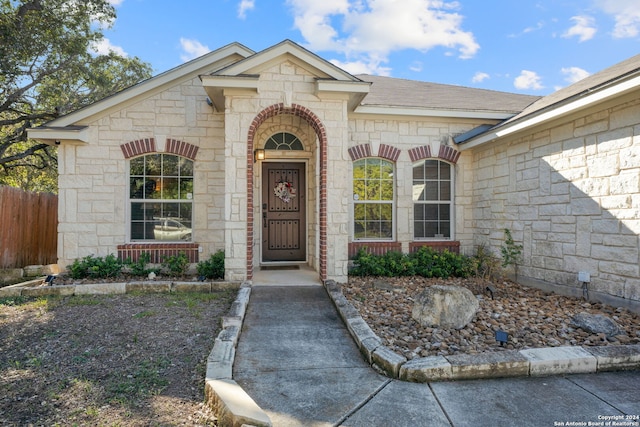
(121,360)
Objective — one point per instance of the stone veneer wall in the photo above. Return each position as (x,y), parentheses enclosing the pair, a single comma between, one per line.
(570,193)
(93,183)
(416,139)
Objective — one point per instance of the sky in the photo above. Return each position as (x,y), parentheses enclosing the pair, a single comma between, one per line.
(523,46)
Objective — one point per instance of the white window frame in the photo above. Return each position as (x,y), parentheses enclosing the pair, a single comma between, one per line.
(450,202)
(133,200)
(391,202)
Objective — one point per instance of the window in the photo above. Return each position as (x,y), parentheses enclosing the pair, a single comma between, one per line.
(373,197)
(283,141)
(432,191)
(161,197)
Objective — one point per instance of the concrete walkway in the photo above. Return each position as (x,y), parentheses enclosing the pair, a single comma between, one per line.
(297,361)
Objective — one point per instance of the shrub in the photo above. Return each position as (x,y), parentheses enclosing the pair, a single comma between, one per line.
(96,267)
(486,265)
(366,264)
(424,262)
(213,268)
(176,265)
(140,267)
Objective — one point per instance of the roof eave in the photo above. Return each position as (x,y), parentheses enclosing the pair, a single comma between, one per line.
(433,112)
(357,90)
(223,56)
(569,106)
(54,135)
(217,86)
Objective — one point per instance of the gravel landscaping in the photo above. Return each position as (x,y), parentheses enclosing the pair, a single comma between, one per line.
(531,317)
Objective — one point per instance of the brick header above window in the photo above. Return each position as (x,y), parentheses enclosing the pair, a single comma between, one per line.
(148,145)
(138,147)
(360,151)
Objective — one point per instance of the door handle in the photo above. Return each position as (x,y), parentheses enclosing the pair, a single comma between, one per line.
(264,219)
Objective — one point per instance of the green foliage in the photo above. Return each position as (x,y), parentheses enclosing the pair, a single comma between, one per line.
(140,267)
(176,265)
(96,267)
(49,66)
(424,262)
(511,252)
(213,268)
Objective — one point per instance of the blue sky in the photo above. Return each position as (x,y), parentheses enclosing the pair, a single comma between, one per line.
(522,46)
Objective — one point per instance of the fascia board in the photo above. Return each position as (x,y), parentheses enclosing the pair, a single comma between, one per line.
(425,112)
(230,82)
(555,113)
(323,85)
(295,51)
(50,135)
(195,67)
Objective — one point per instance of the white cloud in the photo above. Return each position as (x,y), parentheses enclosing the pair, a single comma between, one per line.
(416,66)
(361,67)
(527,30)
(626,14)
(244,6)
(574,74)
(584,28)
(115,2)
(367,31)
(528,80)
(192,49)
(479,77)
(104,46)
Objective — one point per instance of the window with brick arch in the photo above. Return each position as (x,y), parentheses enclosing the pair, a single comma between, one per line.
(432,200)
(161,198)
(373,199)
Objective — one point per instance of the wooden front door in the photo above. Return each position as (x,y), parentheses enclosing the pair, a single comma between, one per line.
(283,212)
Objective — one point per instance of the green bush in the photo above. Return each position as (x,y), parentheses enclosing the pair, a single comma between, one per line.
(424,262)
(213,268)
(140,267)
(176,265)
(96,267)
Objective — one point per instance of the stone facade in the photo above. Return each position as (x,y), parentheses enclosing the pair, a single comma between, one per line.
(568,189)
(570,194)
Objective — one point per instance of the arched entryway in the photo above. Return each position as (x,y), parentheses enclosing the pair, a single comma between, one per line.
(312,120)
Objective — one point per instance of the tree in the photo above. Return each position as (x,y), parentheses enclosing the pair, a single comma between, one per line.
(49,66)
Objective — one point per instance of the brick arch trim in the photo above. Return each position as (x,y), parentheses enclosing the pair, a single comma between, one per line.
(138,147)
(424,152)
(364,150)
(360,151)
(181,148)
(321,133)
(148,145)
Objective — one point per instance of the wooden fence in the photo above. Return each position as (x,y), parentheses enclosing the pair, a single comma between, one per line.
(28,228)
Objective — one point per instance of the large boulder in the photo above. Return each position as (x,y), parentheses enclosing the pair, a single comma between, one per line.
(596,324)
(445,307)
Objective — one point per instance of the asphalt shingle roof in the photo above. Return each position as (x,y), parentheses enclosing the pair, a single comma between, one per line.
(394,92)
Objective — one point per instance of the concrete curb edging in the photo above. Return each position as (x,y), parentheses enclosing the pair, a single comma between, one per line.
(34,288)
(230,403)
(508,363)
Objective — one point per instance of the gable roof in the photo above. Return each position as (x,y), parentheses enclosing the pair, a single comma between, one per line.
(441,99)
(606,84)
(65,127)
(244,74)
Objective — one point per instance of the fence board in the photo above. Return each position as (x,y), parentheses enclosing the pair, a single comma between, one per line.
(28,228)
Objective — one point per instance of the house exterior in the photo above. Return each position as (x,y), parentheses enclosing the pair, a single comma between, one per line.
(280,157)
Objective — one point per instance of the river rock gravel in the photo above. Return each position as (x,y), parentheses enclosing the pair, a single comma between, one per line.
(532,318)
